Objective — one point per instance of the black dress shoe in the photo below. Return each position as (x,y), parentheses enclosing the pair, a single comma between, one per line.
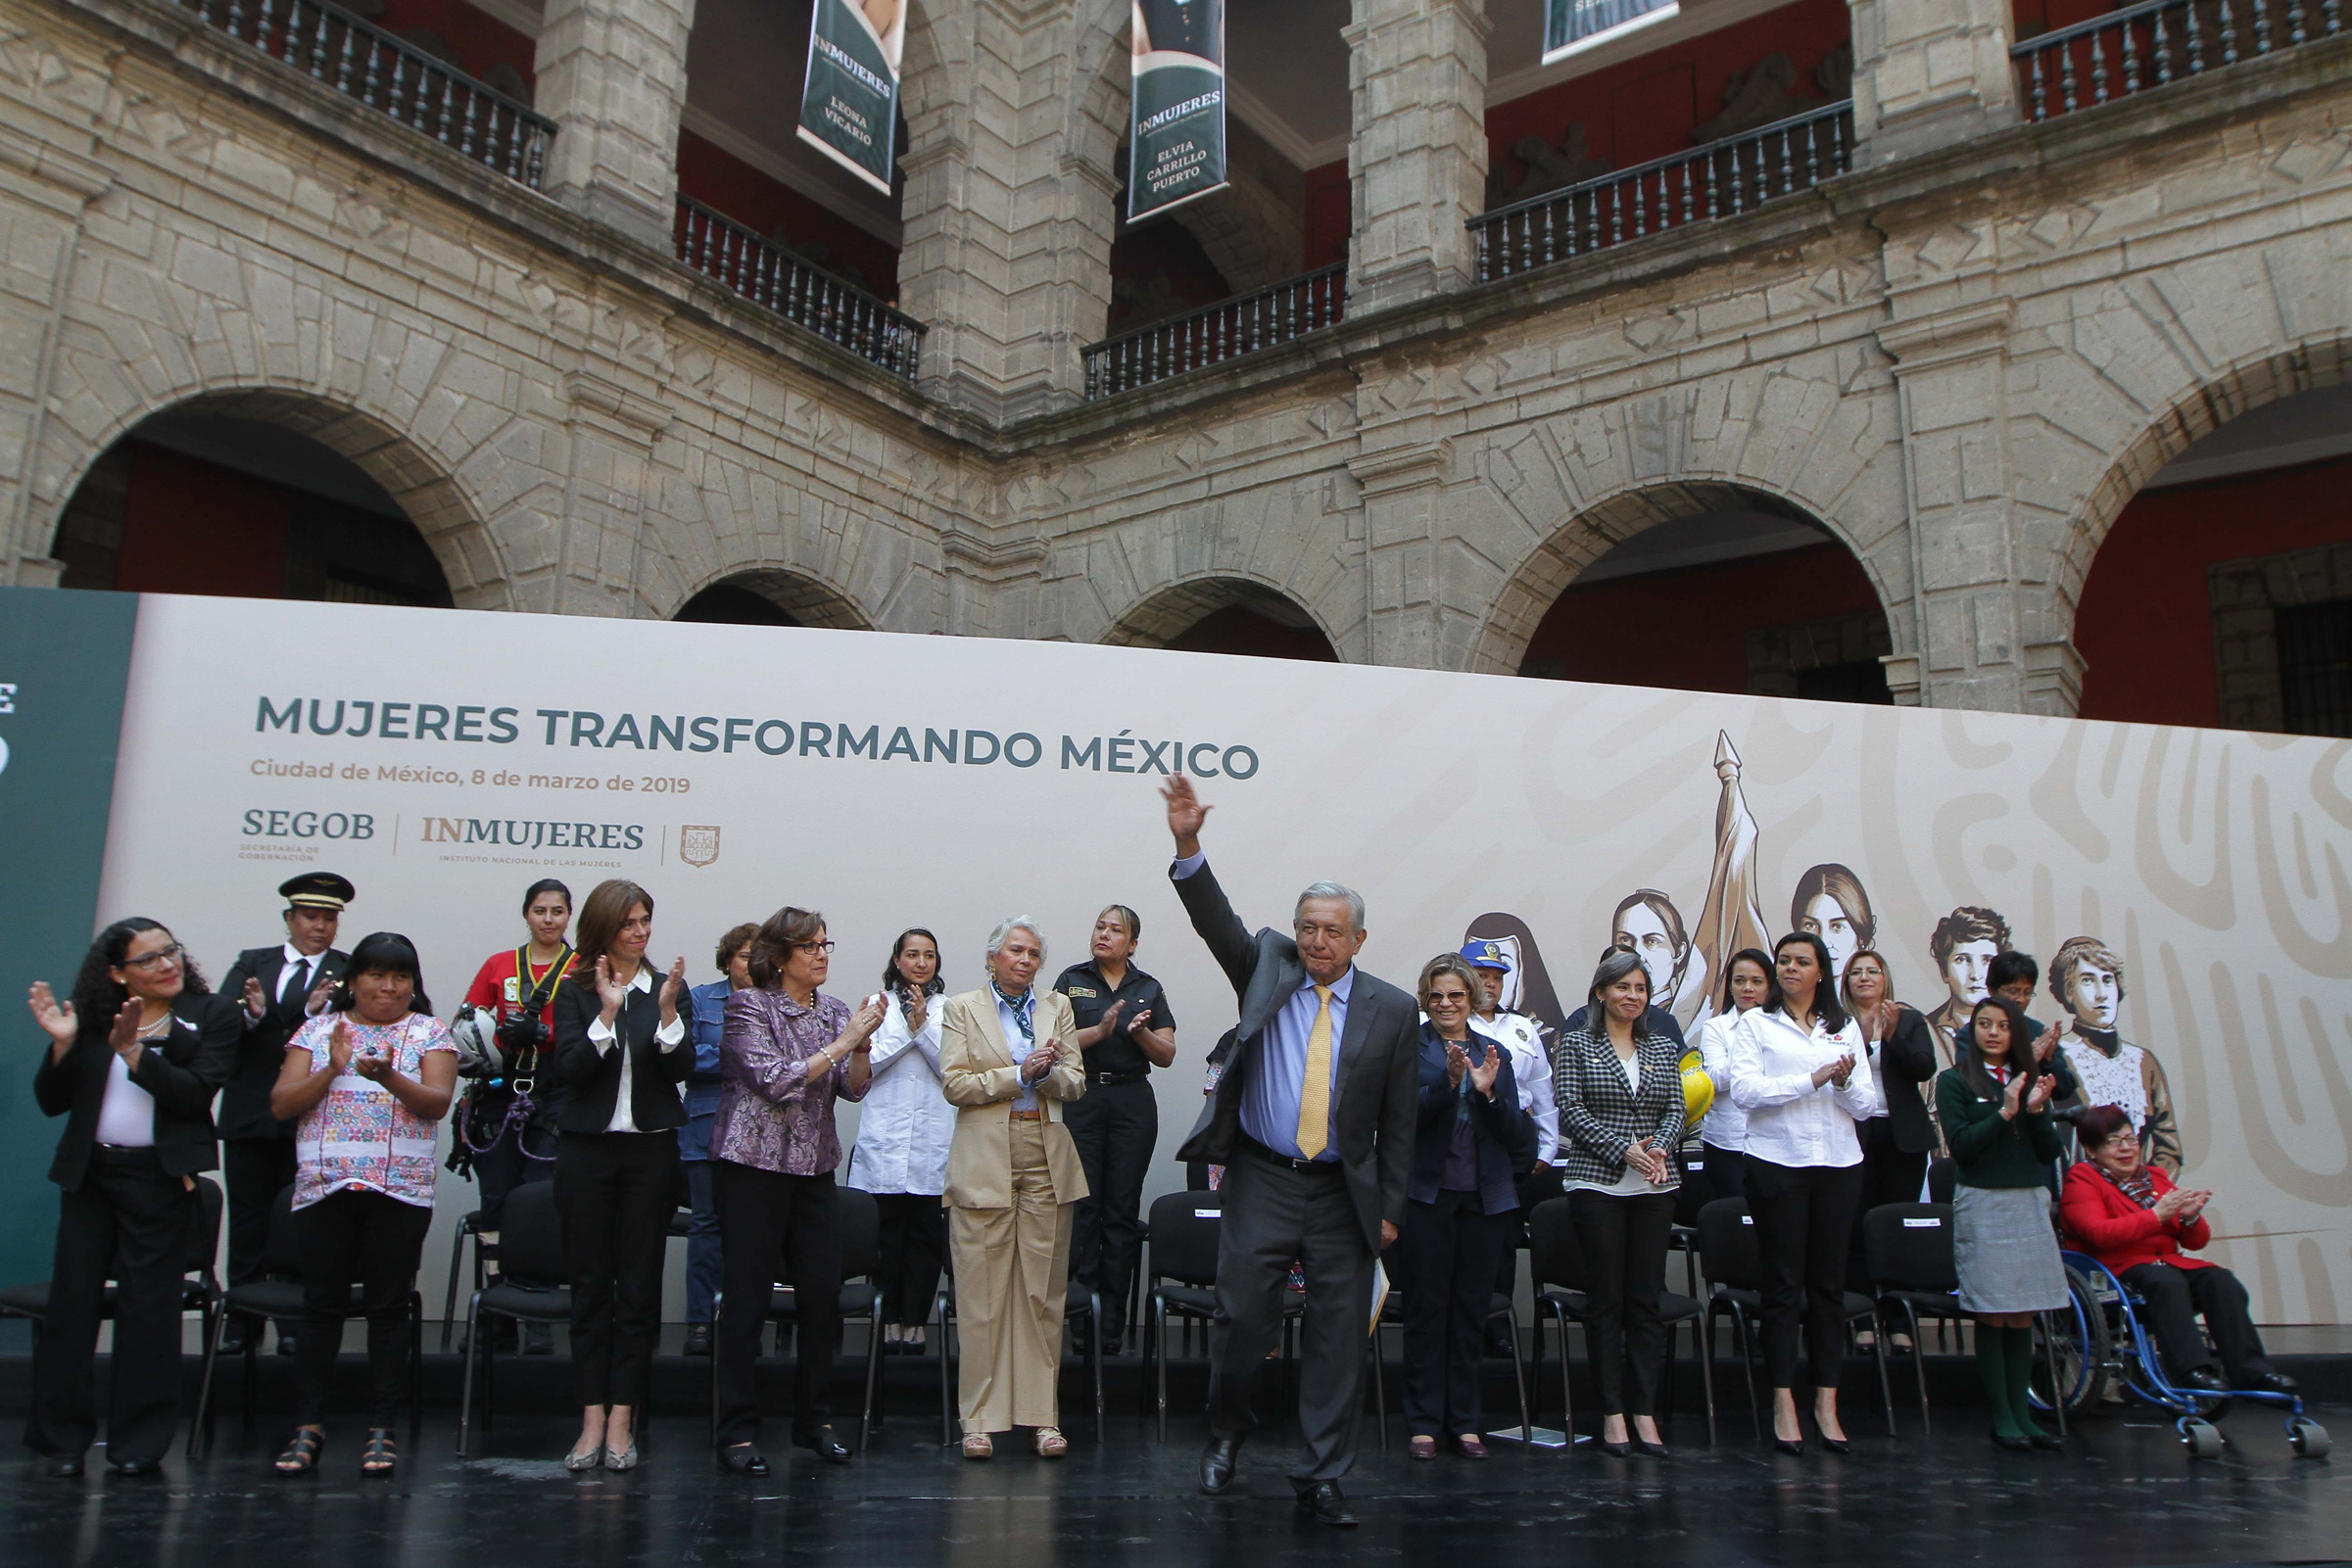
(539,1339)
(288,1344)
(2049,1441)
(2268,1382)
(232,1339)
(823,1444)
(2204,1380)
(1324,1504)
(743,1460)
(137,1467)
(2003,1440)
(698,1339)
(64,1466)
(1217,1464)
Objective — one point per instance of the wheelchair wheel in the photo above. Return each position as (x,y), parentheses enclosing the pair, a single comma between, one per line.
(2077,1336)
(2201,1437)
(2308,1438)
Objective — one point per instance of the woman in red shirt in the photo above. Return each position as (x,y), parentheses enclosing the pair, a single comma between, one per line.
(2129,1215)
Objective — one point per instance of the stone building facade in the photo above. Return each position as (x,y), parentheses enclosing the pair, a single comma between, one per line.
(1962,358)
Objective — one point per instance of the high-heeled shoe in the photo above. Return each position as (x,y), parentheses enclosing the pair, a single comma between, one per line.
(1656,1451)
(1794,1445)
(1836,1445)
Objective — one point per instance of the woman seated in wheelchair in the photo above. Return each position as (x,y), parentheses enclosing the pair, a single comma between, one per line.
(2128,1215)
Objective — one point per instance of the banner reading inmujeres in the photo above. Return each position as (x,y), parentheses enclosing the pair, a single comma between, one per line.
(850,103)
(1177,130)
(1574,24)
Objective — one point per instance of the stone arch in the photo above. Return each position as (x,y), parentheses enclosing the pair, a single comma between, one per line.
(429,488)
(808,600)
(1167,611)
(1538,579)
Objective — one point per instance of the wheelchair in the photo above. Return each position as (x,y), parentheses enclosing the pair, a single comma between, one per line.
(2100,1338)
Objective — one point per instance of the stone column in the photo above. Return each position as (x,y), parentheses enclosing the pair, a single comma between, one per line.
(611,73)
(1014,112)
(1928,74)
(1416,162)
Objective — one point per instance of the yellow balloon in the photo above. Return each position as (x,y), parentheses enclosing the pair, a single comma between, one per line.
(1697,1090)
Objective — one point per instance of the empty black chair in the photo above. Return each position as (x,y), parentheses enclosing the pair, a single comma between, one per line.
(279,1294)
(1180,1271)
(858,1224)
(199,1290)
(1556,1260)
(1908,1252)
(468,1226)
(534,1287)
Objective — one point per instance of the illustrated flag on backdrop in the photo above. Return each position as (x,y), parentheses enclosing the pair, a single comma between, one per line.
(850,104)
(1574,24)
(1733,917)
(1176,113)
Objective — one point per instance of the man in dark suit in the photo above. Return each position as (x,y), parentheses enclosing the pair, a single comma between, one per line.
(1314,1122)
(278,987)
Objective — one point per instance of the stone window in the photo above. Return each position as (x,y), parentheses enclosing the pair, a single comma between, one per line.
(2282,641)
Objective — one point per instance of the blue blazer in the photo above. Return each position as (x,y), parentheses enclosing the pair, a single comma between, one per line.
(706,1016)
(1501,1133)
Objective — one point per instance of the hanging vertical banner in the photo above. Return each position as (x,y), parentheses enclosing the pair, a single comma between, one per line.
(1176,132)
(1572,26)
(850,103)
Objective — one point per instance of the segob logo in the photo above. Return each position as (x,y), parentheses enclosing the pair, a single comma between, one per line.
(697,846)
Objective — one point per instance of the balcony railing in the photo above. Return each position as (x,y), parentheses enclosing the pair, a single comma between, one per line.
(801,292)
(363,61)
(2140,47)
(1226,331)
(1717,180)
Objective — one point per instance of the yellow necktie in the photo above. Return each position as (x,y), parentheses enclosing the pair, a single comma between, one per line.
(1314,1095)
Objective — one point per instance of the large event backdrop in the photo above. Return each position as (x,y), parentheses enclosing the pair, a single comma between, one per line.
(892,780)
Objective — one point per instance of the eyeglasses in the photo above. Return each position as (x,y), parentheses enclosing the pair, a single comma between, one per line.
(162,954)
(816,947)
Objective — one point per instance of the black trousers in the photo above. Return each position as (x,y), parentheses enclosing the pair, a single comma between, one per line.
(127,1221)
(1726,1172)
(1803,1227)
(775,1227)
(1623,1237)
(373,1241)
(1116,1126)
(1272,1214)
(912,1241)
(1889,1177)
(616,1192)
(253,1173)
(1447,1274)
(1535,1187)
(2175,1296)
(505,1165)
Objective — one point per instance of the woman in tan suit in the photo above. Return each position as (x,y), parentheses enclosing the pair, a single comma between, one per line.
(1008,1057)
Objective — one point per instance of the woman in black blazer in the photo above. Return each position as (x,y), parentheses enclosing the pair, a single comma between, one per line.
(620,1055)
(1621,1117)
(1471,1141)
(1894,1142)
(133,1062)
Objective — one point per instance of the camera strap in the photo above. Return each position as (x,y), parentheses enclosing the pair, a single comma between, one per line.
(544,990)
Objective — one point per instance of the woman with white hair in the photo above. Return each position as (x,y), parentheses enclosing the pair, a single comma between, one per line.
(1008,1057)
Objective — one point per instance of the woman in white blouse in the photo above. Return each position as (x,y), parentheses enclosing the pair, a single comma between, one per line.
(904,1126)
(1801,1073)
(1723,1134)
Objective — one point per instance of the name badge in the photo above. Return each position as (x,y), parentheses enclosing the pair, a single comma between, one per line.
(1929,1223)
(1747,1219)
(514,989)
(1088,992)
(1207,1214)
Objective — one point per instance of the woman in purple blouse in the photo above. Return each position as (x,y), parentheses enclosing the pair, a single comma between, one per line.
(786,1052)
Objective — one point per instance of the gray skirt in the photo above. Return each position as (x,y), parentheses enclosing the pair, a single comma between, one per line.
(2007,1253)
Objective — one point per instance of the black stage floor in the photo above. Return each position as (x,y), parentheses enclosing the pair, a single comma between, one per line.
(2124,1494)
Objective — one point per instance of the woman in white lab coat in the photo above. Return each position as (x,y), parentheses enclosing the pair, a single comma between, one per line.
(904,1126)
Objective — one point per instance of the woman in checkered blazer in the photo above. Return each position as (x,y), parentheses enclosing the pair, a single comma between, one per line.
(1622,1115)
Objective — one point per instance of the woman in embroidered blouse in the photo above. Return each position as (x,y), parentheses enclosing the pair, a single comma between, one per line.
(367,1079)
(786,1054)
(902,1138)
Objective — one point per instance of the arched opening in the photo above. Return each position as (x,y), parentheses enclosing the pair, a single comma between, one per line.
(232,495)
(1716,589)
(772,597)
(1224,615)
(2221,595)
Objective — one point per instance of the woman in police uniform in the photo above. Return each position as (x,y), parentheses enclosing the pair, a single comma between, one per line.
(1124,1029)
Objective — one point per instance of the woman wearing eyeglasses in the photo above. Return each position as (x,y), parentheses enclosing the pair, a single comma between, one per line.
(133,1064)
(787,1053)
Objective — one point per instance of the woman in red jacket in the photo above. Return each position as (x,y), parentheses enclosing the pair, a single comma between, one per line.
(2129,1215)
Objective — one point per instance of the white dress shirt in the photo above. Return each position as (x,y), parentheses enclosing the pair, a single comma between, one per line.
(1789,1122)
(126,1114)
(1725,1124)
(296,961)
(670,1035)
(1521,1039)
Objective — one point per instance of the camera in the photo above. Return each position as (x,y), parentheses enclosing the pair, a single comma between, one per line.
(522,1036)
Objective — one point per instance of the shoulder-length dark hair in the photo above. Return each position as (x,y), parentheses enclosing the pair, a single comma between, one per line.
(2020,1049)
(895,982)
(381,953)
(1831,1011)
(784,931)
(1761,960)
(98,996)
(1614,966)
(601,915)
